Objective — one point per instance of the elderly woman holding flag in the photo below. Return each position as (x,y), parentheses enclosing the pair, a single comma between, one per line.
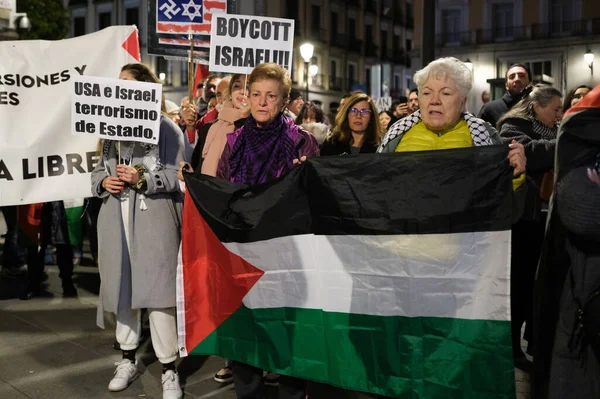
(139,230)
(264,148)
(442,122)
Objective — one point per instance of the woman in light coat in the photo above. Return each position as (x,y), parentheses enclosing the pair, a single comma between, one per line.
(139,230)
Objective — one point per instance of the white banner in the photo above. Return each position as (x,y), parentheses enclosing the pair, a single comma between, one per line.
(7,4)
(40,160)
(240,42)
(122,110)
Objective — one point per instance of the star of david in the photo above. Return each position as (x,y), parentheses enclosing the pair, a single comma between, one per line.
(195,13)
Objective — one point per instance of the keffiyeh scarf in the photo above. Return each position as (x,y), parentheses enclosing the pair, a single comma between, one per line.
(479,131)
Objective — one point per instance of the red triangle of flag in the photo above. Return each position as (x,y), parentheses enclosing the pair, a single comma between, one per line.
(132,45)
(215,279)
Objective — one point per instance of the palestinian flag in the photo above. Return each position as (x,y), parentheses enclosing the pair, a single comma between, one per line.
(386,274)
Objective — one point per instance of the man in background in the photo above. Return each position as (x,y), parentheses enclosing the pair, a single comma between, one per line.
(208,92)
(294,105)
(518,77)
(413,100)
(399,109)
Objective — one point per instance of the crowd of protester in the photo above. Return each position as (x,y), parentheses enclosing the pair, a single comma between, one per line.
(251,129)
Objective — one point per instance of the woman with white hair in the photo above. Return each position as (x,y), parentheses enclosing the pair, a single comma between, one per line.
(442,122)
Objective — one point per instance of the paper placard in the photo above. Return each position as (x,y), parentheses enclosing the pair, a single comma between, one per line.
(383,103)
(114,109)
(240,42)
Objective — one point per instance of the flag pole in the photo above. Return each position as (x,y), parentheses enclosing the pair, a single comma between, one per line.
(191,70)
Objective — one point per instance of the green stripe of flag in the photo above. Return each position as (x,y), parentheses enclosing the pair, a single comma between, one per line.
(422,357)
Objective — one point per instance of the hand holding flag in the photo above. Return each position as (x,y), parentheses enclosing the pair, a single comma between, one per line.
(516,157)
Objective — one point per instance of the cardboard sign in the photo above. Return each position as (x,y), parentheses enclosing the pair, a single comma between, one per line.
(114,109)
(240,42)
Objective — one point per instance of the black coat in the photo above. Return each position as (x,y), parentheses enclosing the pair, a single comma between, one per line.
(334,147)
(54,226)
(569,270)
(492,111)
(540,159)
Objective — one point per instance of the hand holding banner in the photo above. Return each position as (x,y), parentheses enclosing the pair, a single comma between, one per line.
(116,109)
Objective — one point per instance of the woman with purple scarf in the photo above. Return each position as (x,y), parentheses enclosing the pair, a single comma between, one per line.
(269,142)
(267,146)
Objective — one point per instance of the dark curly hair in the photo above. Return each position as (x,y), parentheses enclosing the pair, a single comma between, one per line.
(318,112)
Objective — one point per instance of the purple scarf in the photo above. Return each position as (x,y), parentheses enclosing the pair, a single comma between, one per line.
(261,154)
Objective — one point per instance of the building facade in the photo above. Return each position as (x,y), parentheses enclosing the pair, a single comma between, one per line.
(8,31)
(358,44)
(551,36)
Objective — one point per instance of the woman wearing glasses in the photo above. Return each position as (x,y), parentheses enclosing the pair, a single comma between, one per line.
(357,128)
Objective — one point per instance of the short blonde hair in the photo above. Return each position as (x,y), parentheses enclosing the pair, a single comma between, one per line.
(270,70)
(446,68)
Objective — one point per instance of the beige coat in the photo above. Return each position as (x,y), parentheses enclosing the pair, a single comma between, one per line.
(217,138)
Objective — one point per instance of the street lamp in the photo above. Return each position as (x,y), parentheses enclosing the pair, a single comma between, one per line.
(306,51)
(24,24)
(589,59)
(19,22)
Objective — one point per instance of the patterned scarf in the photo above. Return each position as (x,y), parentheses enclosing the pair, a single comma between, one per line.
(479,132)
(261,154)
(545,132)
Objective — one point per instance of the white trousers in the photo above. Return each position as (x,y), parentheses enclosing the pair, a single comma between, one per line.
(163,325)
(163,331)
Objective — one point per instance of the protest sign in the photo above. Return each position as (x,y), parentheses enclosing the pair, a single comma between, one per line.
(114,109)
(39,158)
(239,42)
(383,103)
(172,22)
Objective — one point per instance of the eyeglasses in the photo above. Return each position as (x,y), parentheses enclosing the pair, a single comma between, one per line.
(362,112)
